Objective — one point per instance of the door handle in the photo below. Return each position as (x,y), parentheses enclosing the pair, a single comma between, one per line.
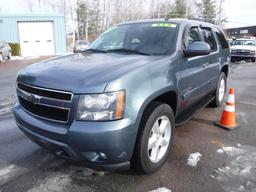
(204,65)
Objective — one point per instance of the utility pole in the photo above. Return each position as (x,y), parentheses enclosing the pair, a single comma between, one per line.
(220,12)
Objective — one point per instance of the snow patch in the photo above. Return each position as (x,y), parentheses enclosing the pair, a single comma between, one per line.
(193,159)
(220,151)
(4,172)
(239,171)
(89,172)
(8,172)
(16,58)
(161,189)
(230,150)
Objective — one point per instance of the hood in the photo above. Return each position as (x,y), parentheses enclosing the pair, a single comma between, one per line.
(244,47)
(81,73)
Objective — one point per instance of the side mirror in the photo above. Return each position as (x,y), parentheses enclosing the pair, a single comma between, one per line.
(197,48)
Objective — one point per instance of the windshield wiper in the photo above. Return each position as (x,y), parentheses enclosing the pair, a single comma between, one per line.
(124,50)
(94,50)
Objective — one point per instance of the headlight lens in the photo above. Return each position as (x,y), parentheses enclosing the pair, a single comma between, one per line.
(100,107)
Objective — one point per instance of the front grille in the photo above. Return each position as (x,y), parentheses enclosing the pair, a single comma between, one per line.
(44,111)
(48,104)
(45,92)
(243,52)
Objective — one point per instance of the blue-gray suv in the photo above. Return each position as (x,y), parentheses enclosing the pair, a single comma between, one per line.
(117,104)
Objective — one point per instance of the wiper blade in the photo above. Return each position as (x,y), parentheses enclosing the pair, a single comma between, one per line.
(94,50)
(124,50)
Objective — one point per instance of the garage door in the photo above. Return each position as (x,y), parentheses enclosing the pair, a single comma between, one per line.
(36,38)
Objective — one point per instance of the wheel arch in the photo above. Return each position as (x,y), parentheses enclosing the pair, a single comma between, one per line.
(225,70)
(168,96)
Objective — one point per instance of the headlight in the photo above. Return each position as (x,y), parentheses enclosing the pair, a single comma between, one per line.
(100,107)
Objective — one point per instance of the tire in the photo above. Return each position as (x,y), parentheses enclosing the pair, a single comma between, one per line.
(9,55)
(148,159)
(219,94)
(253,60)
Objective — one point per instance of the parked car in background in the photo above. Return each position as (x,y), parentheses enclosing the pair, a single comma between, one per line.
(118,103)
(5,51)
(230,41)
(80,46)
(243,49)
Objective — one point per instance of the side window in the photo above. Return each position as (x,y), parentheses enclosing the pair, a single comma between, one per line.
(210,39)
(222,40)
(193,35)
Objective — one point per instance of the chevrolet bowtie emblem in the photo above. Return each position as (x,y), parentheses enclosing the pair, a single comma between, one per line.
(34,98)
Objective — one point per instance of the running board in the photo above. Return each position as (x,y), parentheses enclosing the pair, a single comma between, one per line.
(192,113)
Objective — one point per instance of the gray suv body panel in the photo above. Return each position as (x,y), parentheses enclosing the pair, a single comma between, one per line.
(144,78)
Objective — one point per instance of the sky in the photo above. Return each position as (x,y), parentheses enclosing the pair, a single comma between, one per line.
(238,12)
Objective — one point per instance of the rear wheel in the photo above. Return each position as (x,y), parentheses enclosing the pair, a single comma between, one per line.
(155,138)
(220,91)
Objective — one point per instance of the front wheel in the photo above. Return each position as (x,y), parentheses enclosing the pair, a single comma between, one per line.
(154,139)
(220,91)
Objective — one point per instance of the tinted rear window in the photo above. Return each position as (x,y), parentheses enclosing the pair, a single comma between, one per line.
(222,40)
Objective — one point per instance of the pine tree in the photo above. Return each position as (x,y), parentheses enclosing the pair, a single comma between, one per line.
(207,10)
(180,9)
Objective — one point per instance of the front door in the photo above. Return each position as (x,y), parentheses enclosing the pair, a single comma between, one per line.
(194,81)
(215,58)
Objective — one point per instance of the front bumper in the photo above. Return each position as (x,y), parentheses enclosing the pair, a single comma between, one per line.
(243,56)
(106,146)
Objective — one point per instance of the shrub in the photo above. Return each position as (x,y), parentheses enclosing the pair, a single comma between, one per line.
(15,49)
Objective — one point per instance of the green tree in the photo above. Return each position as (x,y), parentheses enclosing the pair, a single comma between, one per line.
(207,10)
(180,9)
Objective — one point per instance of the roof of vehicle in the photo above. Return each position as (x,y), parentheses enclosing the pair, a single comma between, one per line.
(176,20)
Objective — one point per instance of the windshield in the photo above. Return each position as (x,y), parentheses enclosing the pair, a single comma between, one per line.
(145,38)
(244,42)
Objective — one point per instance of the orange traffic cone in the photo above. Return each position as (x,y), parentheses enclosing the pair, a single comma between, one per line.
(228,118)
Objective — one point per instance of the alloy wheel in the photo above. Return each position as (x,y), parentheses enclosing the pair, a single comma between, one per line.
(159,139)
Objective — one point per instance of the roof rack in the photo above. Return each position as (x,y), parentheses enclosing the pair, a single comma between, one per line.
(192,18)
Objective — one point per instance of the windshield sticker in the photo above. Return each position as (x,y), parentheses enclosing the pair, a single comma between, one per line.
(172,25)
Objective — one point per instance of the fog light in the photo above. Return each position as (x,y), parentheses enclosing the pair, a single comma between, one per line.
(103,155)
(95,156)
